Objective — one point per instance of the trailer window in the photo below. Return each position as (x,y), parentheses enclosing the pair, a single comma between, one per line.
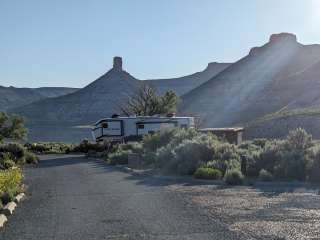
(104,125)
(141,126)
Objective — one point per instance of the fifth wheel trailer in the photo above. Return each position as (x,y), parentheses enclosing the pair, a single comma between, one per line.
(122,128)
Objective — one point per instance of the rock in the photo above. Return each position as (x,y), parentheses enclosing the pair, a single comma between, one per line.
(9,208)
(283,36)
(19,197)
(254,51)
(3,220)
(117,63)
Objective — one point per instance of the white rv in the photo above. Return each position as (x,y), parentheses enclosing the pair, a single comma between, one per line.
(122,128)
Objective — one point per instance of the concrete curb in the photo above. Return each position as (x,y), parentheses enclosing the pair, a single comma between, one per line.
(9,208)
(19,197)
(3,220)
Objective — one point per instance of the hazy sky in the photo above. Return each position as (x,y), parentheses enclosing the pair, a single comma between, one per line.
(71,43)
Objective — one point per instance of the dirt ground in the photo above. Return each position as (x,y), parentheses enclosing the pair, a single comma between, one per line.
(265,212)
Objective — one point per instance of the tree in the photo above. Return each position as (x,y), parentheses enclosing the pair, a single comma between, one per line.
(146,102)
(11,126)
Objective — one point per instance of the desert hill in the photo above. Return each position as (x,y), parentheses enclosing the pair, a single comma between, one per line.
(11,97)
(102,97)
(98,99)
(182,85)
(282,74)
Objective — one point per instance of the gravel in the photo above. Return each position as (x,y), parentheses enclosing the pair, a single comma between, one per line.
(260,213)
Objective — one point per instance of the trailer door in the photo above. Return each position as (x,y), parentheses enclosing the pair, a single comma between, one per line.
(112,128)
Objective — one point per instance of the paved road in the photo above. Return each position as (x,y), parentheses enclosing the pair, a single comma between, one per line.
(71,197)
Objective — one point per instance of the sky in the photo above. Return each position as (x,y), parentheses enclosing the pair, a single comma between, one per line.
(70,43)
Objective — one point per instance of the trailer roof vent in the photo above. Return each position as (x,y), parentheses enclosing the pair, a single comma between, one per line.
(171,114)
(115,115)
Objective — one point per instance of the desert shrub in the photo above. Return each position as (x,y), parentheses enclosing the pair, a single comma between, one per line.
(6,162)
(15,154)
(298,140)
(270,155)
(225,157)
(283,159)
(9,195)
(165,157)
(31,158)
(15,150)
(249,162)
(152,142)
(37,147)
(208,173)
(291,166)
(260,142)
(265,176)
(187,156)
(119,157)
(313,164)
(149,158)
(49,147)
(249,146)
(135,147)
(182,134)
(233,177)
(85,146)
(190,154)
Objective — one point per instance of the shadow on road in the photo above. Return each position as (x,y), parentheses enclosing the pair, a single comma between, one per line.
(47,161)
(271,189)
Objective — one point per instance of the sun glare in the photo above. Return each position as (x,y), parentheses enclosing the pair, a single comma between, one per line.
(315,8)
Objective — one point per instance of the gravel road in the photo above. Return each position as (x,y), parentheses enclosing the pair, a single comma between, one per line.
(71,197)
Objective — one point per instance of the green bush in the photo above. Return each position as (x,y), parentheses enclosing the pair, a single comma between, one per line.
(265,176)
(31,158)
(10,181)
(119,157)
(208,173)
(234,177)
